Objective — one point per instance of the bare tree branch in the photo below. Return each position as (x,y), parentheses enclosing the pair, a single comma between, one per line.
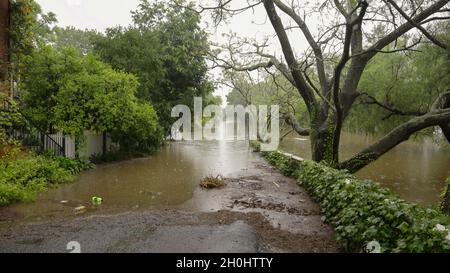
(419,27)
(372,100)
(383,42)
(300,82)
(311,41)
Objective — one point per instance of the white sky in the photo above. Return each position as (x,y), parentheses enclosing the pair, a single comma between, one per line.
(101,14)
(92,14)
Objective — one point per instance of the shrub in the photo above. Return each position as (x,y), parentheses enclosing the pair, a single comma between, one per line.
(361,211)
(140,132)
(22,177)
(72,93)
(74,166)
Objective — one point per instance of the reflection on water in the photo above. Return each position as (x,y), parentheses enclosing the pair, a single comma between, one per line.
(168,178)
(416,170)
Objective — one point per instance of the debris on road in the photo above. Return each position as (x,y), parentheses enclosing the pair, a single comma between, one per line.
(212,182)
(80,209)
(96,201)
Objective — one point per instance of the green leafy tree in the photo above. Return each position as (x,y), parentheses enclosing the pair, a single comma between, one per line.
(64,37)
(134,52)
(28,27)
(165,48)
(68,92)
(45,72)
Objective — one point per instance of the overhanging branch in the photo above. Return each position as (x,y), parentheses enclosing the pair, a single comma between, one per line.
(439,115)
(292,121)
(304,90)
(383,42)
(310,39)
(393,111)
(419,27)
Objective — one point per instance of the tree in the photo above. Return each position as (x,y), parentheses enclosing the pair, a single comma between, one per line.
(271,89)
(4,42)
(45,71)
(28,26)
(165,48)
(340,54)
(71,93)
(66,37)
(386,81)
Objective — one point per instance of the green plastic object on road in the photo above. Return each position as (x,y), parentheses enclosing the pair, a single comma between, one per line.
(97,200)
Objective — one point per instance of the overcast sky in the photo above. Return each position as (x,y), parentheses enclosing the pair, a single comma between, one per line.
(92,14)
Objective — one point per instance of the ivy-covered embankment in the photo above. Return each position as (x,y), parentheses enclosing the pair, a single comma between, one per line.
(362,211)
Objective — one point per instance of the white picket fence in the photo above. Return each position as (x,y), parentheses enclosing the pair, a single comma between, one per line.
(93,146)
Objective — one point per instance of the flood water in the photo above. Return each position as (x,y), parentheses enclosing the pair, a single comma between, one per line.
(416,170)
(166,179)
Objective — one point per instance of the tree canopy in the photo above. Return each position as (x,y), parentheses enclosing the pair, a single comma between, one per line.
(71,93)
(330,75)
(165,48)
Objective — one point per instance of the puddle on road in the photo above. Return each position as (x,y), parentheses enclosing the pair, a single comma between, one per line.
(167,179)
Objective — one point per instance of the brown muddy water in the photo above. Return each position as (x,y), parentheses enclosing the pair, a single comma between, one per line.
(164,180)
(416,170)
(167,180)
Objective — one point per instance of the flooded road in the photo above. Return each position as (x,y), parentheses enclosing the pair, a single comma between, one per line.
(156,205)
(170,178)
(166,179)
(416,170)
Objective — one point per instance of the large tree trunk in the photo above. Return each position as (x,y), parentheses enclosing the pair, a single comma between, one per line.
(322,147)
(321,134)
(446,200)
(322,141)
(446,131)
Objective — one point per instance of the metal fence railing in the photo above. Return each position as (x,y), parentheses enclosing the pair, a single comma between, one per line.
(33,138)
